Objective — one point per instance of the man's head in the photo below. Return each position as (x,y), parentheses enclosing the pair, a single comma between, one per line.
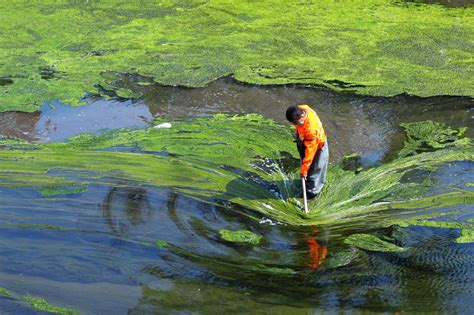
(295,115)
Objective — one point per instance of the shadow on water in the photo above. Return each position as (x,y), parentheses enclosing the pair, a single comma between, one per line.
(132,202)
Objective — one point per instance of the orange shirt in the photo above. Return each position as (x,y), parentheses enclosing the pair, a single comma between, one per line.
(313,136)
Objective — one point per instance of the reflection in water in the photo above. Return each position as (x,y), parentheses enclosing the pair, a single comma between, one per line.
(57,122)
(19,125)
(318,249)
(172,205)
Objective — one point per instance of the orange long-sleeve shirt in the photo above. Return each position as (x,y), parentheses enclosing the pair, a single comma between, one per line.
(313,136)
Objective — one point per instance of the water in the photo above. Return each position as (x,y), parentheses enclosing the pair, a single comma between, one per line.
(365,125)
(103,260)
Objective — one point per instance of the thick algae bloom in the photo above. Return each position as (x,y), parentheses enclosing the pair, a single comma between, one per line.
(431,136)
(224,159)
(60,50)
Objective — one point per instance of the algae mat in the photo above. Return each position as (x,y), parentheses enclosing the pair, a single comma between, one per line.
(60,50)
(224,159)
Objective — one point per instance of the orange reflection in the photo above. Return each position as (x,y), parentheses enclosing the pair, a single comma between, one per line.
(317,249)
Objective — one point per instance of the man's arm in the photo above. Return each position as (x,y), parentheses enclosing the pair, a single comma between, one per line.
(309,154)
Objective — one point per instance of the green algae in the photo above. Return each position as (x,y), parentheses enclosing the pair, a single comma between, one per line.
(42,305)
(184,159)
(225,171)
(58,50)
(372,243)
(56,228)
(5,292)
(240,236)
(9,141)
(56,192)
(351,162)
(232,169)
(161,243)
(466,228)
(403,183)
(382,188)
(340,258)
(467,235)
(39,303)
(430,136)
(225,267)
(273,270)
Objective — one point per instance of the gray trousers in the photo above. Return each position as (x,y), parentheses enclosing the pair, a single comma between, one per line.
(317,171)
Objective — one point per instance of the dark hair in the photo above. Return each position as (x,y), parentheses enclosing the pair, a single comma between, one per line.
(293,113)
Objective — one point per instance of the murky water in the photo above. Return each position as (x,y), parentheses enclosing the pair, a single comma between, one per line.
(102,259)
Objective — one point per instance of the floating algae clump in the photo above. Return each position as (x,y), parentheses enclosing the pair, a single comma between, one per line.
(161,243)
(42,305)
(372,243)
(58,50)
(431,136)
(240,236)
(39,303)
(467,235)
(5,292)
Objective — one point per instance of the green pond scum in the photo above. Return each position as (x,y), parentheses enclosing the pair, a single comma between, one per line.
(161,243)
(224,159)
(39,304)
(56,192)
(240,236)
(63,50)
(5,292)
(42,305)
(431,136)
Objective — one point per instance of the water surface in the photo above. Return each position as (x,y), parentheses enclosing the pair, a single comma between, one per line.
(94,251)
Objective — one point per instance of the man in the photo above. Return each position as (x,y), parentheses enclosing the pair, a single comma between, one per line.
(312,146)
